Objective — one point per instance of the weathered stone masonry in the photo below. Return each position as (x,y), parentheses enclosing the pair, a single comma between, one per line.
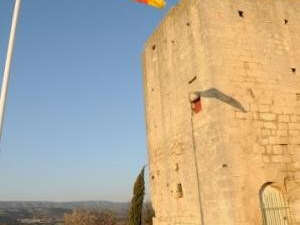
(222,99)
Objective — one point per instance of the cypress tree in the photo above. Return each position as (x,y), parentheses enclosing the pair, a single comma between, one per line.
(135,211)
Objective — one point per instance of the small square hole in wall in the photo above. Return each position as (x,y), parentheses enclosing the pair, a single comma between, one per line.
(286,21)
(241,13)
(293,70)
(179,191)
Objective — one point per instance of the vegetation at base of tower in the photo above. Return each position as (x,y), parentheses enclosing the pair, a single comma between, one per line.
(86,217)
(148,214)
(136,208)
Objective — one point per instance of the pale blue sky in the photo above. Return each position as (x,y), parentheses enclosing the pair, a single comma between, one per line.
(74,126)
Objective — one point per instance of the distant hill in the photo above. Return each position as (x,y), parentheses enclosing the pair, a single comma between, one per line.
(119,208)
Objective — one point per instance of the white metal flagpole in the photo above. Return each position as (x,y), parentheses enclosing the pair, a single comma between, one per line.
(6,73)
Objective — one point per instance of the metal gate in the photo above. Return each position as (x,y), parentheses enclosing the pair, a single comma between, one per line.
(275,209)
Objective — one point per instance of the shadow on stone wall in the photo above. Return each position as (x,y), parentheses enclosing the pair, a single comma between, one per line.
(215,93)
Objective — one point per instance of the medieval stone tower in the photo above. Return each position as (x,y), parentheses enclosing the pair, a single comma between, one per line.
(222,90)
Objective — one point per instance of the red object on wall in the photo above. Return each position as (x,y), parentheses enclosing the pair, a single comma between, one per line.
(142,1)
(196,105)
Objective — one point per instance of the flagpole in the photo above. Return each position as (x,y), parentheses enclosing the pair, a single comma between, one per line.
(9,55)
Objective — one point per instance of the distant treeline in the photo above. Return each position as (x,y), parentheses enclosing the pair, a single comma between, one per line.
(119,208)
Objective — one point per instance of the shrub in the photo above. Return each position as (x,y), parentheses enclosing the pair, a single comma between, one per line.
(148,214)
(85,217)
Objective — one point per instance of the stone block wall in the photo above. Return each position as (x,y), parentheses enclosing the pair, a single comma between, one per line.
(222,100)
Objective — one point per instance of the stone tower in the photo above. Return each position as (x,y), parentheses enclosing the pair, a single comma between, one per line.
(222,100)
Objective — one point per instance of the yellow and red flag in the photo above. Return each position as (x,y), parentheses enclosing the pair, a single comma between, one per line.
(154,3)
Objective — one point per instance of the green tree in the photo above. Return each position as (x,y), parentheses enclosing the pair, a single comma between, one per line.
(136,208)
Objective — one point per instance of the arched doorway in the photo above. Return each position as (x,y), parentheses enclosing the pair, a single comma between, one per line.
(274,207)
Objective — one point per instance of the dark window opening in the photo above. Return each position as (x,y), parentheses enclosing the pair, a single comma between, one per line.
(286,21)
(188,24)
(153,47)
(179,191)
(241,13)
(224,165)
(293,70)
(298,97)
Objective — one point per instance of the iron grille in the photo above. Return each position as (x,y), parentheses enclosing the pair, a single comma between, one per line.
(275,209)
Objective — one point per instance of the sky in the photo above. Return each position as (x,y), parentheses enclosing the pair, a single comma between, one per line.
(74,126)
